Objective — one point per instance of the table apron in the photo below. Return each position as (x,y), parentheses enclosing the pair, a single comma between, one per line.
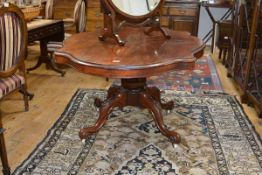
(54,32)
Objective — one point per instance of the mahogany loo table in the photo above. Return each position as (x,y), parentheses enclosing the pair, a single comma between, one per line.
(142,56)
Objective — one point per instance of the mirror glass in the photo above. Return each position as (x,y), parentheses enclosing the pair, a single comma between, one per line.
(136,7)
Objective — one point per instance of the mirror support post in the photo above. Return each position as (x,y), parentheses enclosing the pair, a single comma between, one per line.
(113,16)
(156,26)
(109,29)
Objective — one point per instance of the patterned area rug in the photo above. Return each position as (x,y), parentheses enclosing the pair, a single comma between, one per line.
(203,78)
(217,139)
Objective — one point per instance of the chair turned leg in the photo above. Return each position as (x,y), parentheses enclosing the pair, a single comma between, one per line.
(220,53)
(224,56)
(3,154)
(25,99)
(27,96)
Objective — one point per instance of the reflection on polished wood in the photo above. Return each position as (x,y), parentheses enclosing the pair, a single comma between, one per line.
(141,57)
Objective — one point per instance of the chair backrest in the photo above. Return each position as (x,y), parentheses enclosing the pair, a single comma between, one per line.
(49,9)
(80,12)
(13,39)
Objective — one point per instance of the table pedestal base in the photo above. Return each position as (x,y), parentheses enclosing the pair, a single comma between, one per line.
(45,58)
(133,92)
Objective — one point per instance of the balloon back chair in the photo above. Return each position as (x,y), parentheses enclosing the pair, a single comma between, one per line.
(79,17)
(49,9)
(79,20)
(13,41)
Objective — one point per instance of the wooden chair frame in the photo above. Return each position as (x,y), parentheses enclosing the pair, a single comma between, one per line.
(77,20)
(17,68)
(20,66)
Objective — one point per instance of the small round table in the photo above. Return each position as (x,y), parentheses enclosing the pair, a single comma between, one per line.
(141,57)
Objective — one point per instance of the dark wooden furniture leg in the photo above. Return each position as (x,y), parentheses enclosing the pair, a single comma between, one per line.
(3,154)
(133,92)
(113,100)
(29,94)
(45,58)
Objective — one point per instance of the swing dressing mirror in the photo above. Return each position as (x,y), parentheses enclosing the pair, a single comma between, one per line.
(135,13)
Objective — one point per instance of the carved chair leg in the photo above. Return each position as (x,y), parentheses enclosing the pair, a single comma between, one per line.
(3,154)
(155,107)
(165,33)
(30,95)
(105,109)
(6,168)
(25,96)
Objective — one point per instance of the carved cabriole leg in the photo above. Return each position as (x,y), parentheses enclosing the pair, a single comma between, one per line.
(112,91)
(155,107)
(132,92)
(154,92)
(105,109)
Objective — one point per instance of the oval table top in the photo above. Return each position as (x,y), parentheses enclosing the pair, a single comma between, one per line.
(142,55)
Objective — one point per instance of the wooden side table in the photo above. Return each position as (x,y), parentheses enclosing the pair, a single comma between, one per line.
(141,57)
(44,30)
(216,4)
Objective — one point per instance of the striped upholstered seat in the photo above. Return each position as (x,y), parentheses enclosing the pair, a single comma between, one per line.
(10,84)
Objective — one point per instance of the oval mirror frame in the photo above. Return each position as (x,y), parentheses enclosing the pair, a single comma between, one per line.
(114,19)
(136,18)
